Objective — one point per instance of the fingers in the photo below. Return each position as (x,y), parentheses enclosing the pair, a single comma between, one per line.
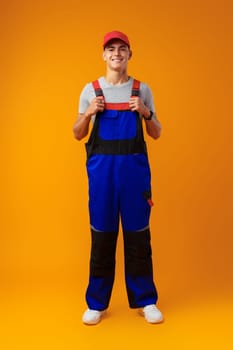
(99,101)
(134,103)
(98,104)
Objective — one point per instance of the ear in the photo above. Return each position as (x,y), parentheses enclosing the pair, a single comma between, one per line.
(130,54)
(104,56)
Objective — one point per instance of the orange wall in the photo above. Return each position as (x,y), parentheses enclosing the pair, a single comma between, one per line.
(182,49)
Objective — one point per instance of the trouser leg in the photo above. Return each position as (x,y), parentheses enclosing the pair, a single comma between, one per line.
(140,286)
(102,269)
(135,213)
(104,220)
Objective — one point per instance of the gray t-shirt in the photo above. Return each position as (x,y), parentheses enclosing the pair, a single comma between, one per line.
(115,94)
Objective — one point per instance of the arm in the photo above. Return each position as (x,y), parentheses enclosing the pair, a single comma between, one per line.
(81,126)
(153,126)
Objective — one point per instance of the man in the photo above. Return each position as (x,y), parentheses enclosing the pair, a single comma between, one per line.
(119,181)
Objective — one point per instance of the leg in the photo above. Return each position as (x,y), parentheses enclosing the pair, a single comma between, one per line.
(138,269)
(102,269)
(104,220)
(135,214)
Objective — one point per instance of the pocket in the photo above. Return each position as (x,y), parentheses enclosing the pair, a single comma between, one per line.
(109,125)
(118,125)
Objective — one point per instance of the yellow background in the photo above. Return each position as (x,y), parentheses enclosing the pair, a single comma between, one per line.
(49,51)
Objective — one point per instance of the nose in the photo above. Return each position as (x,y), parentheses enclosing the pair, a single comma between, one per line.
(117,51)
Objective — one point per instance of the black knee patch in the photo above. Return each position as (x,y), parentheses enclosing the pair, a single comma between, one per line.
(138,253)
(103,251)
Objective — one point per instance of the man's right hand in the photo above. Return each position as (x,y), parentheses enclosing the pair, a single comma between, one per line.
(96,105)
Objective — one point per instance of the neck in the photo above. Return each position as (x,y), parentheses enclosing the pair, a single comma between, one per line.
(116,78)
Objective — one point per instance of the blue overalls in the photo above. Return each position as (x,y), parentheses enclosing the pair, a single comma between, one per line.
(119,189)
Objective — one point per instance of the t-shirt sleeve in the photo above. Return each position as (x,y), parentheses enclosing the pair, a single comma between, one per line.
(85,98)
(149,99)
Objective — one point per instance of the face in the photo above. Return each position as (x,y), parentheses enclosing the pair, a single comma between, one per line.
(116,54)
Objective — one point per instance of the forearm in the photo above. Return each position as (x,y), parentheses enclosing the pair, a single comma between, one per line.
(153,128)
(81,126)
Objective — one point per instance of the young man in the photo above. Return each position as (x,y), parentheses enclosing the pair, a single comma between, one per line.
(119,181)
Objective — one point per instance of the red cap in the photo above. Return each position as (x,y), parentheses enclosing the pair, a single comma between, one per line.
(116,35)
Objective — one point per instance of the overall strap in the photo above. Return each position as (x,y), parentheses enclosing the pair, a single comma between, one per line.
(97,88)
(135,88)
(99,92)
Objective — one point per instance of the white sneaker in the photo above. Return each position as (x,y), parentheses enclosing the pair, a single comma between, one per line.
(152,314)
(92,316)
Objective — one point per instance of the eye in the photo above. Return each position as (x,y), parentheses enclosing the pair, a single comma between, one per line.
(123,49)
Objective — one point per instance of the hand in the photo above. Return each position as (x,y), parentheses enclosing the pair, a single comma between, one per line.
(96,105)
(136,104)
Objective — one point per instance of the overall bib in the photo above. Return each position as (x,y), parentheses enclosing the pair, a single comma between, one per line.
(119,189)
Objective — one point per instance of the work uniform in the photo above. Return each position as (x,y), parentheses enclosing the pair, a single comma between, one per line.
(119,190)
